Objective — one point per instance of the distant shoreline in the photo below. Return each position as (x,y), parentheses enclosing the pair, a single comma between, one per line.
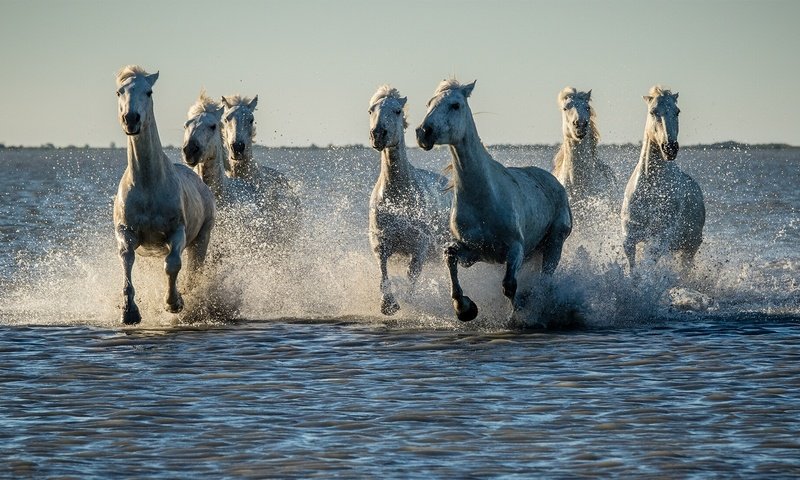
(729,145)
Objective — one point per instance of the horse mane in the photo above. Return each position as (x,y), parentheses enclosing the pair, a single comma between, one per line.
(658,91)
(129,71)
(447,84)
(204,104)
(237,100)
(387,91)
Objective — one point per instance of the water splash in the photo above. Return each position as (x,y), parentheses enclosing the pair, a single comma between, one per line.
(328,271)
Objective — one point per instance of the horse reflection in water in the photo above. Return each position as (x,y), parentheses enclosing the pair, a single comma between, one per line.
(499,215)
(409,207)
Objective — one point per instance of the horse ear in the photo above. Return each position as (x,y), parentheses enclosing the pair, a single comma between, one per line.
(225,102)
(467,89)
(253,103)
(676,95)
(403,101)
(589,94)
(151,79)
(647,98)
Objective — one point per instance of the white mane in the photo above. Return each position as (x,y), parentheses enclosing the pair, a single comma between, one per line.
(129,71)
(658,91)
(387,91)
(237,100)
(204,104)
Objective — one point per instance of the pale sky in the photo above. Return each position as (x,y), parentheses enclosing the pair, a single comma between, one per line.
(315,64)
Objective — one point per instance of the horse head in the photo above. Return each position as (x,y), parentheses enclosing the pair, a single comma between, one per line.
(202,127)
(448,114)
(238,123)
(387,118)
(576,112)
(134,98)
(662,121)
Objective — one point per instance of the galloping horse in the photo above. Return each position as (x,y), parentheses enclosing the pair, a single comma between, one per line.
(272,201)
(160,207)
(576,164)
(409,206)
(202,144)
(499,214)
(662,204)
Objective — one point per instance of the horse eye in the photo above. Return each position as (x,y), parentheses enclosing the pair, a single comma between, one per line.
(251,121)
(213,127)
(678,112)
(653,112)
(398,111)
(150,93)
(455,106)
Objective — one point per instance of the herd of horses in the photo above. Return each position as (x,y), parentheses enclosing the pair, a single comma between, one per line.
(485,211)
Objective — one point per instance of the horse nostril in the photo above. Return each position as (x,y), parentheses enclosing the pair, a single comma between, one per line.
(191,148)
(238,147)
(131,118)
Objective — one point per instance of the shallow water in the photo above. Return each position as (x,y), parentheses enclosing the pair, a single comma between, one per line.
(310,380)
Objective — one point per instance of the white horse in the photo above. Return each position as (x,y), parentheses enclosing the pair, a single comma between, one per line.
(499,214)
(409,207)
(576,164)
(662,204)
(264,187)
(160,207)
(202,144)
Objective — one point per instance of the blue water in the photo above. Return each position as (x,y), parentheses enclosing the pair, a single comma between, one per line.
(310,379)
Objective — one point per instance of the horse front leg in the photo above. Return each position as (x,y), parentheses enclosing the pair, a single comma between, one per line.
(417,261)
(465,308)
(172,266)
(513,264)
(127,243)
(629,247)
(389,305)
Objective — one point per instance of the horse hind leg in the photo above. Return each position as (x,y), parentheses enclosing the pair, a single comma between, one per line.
(127,252)
(551,251)
(417,261)
(172,266)
(196,252)
(465,308)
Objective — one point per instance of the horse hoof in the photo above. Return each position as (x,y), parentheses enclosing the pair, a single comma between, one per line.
(176,307)
(131,316)
(466,309)
(389,307)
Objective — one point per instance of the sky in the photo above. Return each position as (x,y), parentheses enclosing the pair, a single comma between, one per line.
(315,65)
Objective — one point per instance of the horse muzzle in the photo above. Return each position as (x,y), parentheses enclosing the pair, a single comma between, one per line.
(670,150)
(377,139)
(237,149)
(131,123)
(191,154)
(425,137)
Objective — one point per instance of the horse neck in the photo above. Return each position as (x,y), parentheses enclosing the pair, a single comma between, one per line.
(212,168)
(470,163)
(395,167)
(147,162)
(576,156)
(651,164)
(244,168)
